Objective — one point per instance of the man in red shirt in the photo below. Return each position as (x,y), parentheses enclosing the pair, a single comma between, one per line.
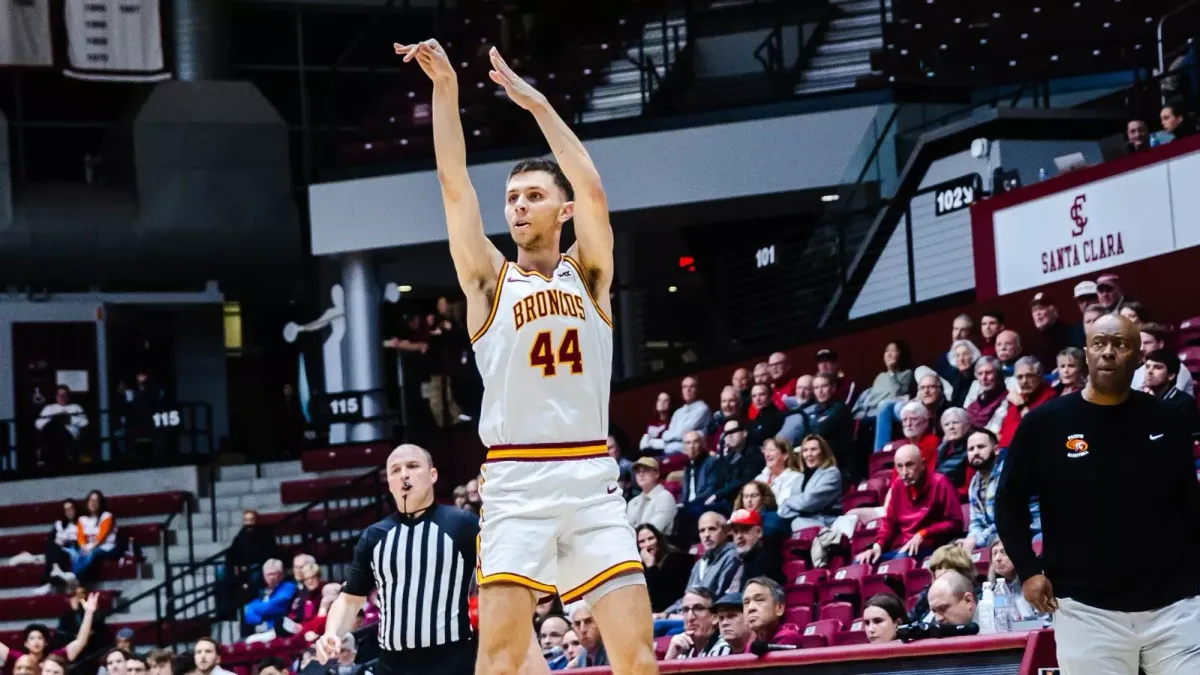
(763,603)
(781,378)
(1032,391)
(991,324)
(917,422)
(922,513)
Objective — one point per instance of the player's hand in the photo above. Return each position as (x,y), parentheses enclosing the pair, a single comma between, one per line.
(328,647)
(431,57)
(521,92)
(913,545)
(1040,593)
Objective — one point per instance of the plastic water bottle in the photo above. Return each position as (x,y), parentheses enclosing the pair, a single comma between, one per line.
(1002,608)
(987,617)
(1041,174)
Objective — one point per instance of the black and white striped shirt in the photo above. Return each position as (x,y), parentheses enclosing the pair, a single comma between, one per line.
(423,568)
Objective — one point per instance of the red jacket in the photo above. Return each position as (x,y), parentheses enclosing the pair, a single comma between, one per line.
(931,508)
(785,388)
(928,444)
(1012,417)
(787,634)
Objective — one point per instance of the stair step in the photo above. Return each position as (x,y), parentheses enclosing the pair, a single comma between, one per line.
(237,472)
(833,60)
(865,45)
(616,89)
(850,34)
(613,114)
(610,102)
(858,6)
(282,469)
(633,75)
(825,86)
(858,21)
(851,70)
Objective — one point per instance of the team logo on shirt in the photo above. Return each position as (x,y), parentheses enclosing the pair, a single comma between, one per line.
(1076,446)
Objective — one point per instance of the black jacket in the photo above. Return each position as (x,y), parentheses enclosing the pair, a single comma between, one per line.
(1185,404)
(952,462)
(761,561)
(766,424)
(736,469)
(253,546)
(667,582)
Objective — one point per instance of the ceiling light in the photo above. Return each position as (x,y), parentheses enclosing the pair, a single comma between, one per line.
(404,288)
(830,198)
(671,289)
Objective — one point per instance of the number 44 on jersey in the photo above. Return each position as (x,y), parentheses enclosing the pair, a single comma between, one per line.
(544,355)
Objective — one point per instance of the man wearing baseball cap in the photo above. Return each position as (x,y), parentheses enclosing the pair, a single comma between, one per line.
(1085,296)
(827,364)
(1109,292)
(757,560)
(1056,336)
(737,465)
(654,503)
(732,623)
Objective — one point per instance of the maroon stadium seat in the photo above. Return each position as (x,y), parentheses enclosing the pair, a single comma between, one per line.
(860,498)
(888,577)
(845,584)
(307,490)
(842,612)
(804,591)
(850,637)
(673,462)
(982,557)
(674,487)
(144,534)
(917,580)
(660,646)
(345,457)
(793,569)
(880,461)
(1190,357)
(800,616)
(44,606)
(797,546)
(20,576)
(819,634)
(121,506)
(1189,332)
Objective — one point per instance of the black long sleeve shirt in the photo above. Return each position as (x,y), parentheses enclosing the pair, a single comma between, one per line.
(1120,504)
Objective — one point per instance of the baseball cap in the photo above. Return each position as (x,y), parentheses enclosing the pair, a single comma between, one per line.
(125,633)
(745,517)
(647,462)
(1108,280)
(1040,298)
(729,600)
(1085,288)
(827,354)
(733,426)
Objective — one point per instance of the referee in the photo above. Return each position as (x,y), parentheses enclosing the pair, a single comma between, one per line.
(1120,507)
(421,560)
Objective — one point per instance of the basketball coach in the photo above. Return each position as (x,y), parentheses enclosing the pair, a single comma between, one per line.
(421,560)
(1120,505)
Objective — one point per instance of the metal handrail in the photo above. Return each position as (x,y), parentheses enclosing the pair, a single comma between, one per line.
(1159,32)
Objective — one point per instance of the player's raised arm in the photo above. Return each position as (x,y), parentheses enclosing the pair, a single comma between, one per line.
(476,259)
(593,232)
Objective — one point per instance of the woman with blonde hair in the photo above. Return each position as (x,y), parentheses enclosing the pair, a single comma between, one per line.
(948,558)
(782,471)
(816,499)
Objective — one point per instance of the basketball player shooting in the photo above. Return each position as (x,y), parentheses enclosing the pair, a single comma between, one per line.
(553,516)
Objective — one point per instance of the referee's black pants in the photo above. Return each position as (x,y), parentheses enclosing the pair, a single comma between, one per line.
(455,658)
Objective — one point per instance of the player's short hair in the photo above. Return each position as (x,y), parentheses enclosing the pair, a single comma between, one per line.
(549,166)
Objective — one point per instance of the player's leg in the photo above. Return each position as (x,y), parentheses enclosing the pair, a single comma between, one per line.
(505,628)
(535,662)
(1171,639)
(623,615)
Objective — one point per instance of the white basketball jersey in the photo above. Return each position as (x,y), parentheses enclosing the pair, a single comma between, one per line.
(545,354)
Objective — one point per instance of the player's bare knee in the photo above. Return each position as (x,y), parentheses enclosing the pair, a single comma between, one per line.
(639,660)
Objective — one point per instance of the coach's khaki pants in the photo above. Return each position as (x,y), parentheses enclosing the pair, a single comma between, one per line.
(1095,641)
(441,401)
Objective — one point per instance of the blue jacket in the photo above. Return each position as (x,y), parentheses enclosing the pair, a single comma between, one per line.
(272,607)
(706,474)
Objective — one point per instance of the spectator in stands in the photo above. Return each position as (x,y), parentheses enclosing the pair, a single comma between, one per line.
(895,383)
(299,562)
(737,465)
(135,665)
(460,498)
(71,621)
(35,639)
(916,419)
(717,566)
(762,373)
(26,665)
(882,614)
(1162,370)
(96,537)
(962,379)
(53,664)
(159,660)
(268,611)
(1071,373)
(1092,313)
(960,331)
(830,419)
(796,410)
(782,471)
(207,654)
(1055,335)
(62,541)
(758,559)
(827,365)
(346,656)
(1154,336)
(700,480)
(931,394)
(654,504)
(307,601)
(758,497)
(315,627)
(1032,391)
(1008,350)
(1109,293)
(61,426)
(731,622)
(572,648)
(763,603)
(952,599)
(1085,296)
(591,642)
(948,558)
(986,460)
(817,500)
(1134,311)
(991,325)
(765,420)
(253,545)
(1174,124)
(782,380)
(730,408)
(1137,136)
(473,498)
(985,408)
(661,419)
(952,453)
(551,632)
(114,661)
(1002,571)
(666,567)
(741,387)
(922,511)
(700,637)
(271,666)
(691,416)
(613,447)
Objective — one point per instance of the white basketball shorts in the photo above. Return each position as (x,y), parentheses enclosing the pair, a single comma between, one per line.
(553,521)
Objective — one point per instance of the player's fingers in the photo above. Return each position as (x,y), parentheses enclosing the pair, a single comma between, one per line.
(413,52)
(497,78)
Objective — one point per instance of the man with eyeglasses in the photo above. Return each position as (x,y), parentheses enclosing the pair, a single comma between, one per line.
(699,638)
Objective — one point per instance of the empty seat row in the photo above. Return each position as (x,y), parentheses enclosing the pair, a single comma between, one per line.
(121,506)
(142,534)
